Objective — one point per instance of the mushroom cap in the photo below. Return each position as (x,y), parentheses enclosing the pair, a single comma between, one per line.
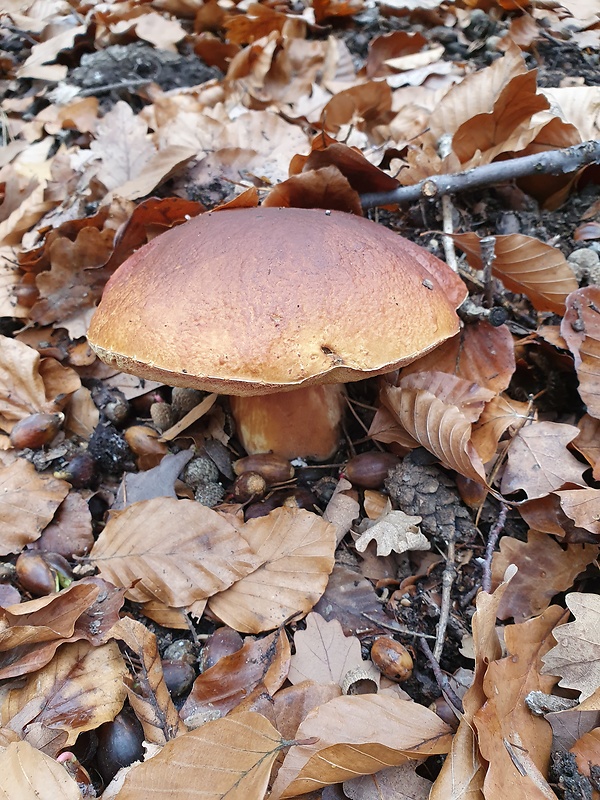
(262,300)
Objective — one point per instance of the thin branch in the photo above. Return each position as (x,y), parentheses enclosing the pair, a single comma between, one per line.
(495,531)
(447,581)
(441,680)
(553,162)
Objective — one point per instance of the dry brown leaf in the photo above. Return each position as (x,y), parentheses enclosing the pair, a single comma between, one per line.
(70,532)
(358,735)
(146,689)
(469,398)
(440,428)
(545,569)
(588,442)
(23,389)
(463,771)
(583,507)
(581,330)
(394,783)
(323,653)
(395,531)
(229,758)
(296,550)
(526,265)
(391,45)
(81,414)
(81,688)
(576,657)
(587,752)
(353,601)
(28,501)
(223,686)
(292,704)
(515,742)
(31,632)
(500,414)
(122,145)
(29,774)
(480,354)
(175,551)
(539,462)
(342,509)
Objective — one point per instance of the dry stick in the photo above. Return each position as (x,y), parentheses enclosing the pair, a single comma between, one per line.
(447,581)
(444,149)
(553,162)
(495,531)
(441,680)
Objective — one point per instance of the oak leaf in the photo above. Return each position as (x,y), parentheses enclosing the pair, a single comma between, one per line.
(576,657)
(395,531)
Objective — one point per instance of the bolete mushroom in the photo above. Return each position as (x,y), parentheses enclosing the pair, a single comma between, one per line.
(276,307)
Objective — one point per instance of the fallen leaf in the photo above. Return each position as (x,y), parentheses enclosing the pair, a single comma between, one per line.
(580,328)
(352,600)
(393,783)
(358,735)
(292,704)
(498,416)
(545,569)
(146,688)
(539,462)
(515,743)
(223,686)
(229,758)
(469,398)
(175,551)
(29,774)
(526,265)
(576,657)
(583,507)
(323,653)
(588,442)
(395,531)
(70,532)
(296,551)
(81,688)
(28,502)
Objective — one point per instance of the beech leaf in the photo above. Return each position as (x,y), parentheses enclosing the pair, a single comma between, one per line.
(227,758)
(176,551)
(581,330)
(358,735)
(296,549)
(29,774)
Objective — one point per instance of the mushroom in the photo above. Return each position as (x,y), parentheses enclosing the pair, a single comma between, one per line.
(276,307)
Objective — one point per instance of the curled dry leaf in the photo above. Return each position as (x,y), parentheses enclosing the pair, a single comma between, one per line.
(463,771)
(175,551)
(147,690)
(576,657)
(292,704)
(545,569)
(526,265)
(358,735)
(539,462)
(440,428)
(29,501)
(324,654)
(342,509)
(70,532)
(81,688)
(296,550)
(480,354)
(581,330)
(352,600)
(500,414)
(228,758)
(223,686)
(395,531)
(505,720)
(468,397)
(24,389)
(29,774)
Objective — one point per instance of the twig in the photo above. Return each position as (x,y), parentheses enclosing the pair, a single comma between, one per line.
(488,256)
(391,626)
(553,162)
(444,149)
(447,581)
(441,679)
(495,531)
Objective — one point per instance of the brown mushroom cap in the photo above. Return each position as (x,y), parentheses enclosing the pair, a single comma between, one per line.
(261,300)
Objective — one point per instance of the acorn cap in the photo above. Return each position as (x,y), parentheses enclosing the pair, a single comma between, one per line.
(261,300)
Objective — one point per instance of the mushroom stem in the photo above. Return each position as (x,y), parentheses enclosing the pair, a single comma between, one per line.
(303,423)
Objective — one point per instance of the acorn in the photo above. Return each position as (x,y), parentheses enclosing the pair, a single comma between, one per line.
(144,443)
(273,468)
(392,659)
(80,472)
(369,470)
(35,431)
(179,676)
(249,486)
(119,744)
